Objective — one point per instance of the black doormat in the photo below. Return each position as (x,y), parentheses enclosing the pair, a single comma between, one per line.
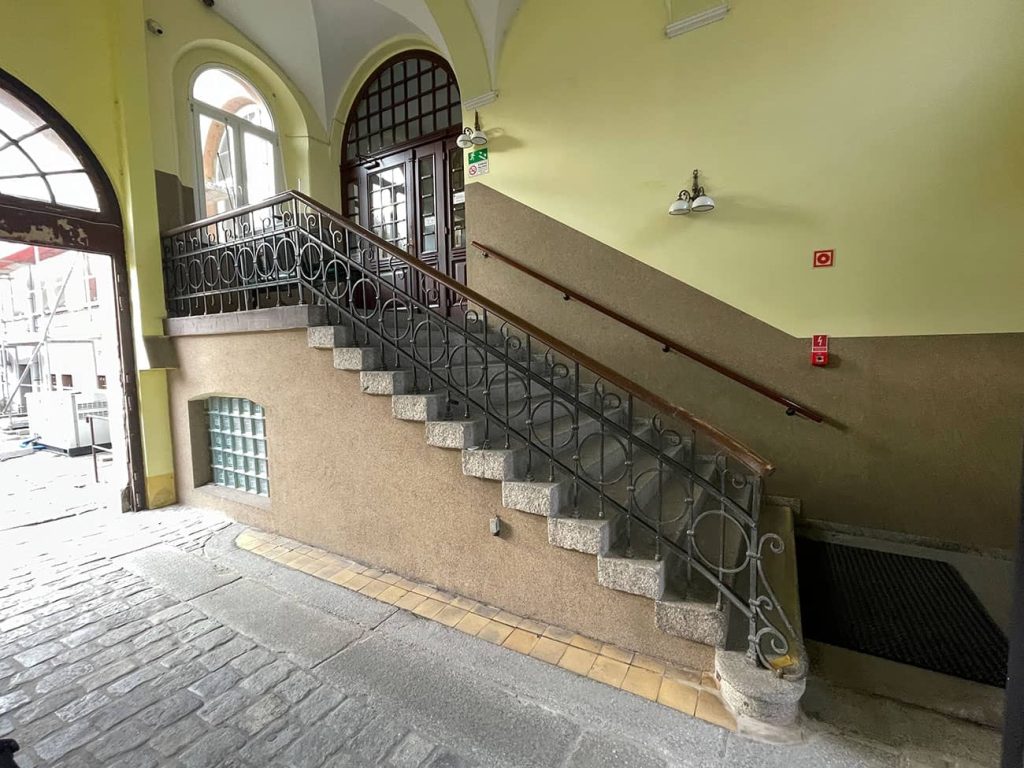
(906,609)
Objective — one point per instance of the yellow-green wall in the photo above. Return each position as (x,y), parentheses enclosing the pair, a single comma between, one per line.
(84,59)
(195,36)
(891,132)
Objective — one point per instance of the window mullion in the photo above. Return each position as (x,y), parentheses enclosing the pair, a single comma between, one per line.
(241,170)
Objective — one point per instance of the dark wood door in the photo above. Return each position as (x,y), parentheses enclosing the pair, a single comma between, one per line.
(415,199)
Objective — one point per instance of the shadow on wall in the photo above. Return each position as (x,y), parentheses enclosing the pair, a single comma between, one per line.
(922,434)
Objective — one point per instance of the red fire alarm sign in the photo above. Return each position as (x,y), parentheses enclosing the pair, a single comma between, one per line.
(824,258)
(819,350)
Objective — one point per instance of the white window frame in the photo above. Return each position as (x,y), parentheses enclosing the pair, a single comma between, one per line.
(238,126)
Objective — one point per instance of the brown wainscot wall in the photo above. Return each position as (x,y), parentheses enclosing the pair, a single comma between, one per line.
(926,431)
(347,476)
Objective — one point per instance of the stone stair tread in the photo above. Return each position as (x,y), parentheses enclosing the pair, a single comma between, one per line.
(356,358)
(455,433)
(535,498)
(327,336)
(391,382)
(418,407)
(492,463)
(638,576)
(693,618)
(589,535)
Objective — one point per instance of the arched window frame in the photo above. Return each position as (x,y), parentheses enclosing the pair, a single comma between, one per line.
(101,227)
(350,158)
(240,126)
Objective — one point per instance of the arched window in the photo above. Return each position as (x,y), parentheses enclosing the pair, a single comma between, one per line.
(411,96)
(237,155)
(36,163)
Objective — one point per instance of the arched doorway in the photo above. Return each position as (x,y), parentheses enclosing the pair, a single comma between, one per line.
(401,172)
(55,194)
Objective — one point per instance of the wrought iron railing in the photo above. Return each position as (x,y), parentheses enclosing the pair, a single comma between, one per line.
(672,487)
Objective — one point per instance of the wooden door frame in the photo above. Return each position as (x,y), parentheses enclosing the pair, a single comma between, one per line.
(75,229)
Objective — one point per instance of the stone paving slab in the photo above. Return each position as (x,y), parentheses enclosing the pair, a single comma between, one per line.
(278,623)
(436,698)
(183,575)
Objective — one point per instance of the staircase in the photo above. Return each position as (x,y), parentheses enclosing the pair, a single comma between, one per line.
(671,507)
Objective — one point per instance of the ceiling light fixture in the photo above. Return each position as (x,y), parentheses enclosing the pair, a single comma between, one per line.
(472,136)
(694,199)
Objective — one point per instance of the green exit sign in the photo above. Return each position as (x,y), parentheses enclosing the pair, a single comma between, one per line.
(479,165)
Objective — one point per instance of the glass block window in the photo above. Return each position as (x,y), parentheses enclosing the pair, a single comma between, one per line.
(410,96)
(238,444)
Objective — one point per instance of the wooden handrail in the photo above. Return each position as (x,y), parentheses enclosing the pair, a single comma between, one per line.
(748,456)
(667,344)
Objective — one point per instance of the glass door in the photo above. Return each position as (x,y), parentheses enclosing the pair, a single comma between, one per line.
(388,203)
(430,218)
(455,198)
(380,197)
(415,200)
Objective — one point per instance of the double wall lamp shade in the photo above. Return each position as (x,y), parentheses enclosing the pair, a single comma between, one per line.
(471,137)
(694,199)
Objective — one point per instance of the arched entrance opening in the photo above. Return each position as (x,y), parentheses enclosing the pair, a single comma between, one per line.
(57,202)
(402,172)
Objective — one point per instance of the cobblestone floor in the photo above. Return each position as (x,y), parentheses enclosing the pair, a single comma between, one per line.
(152,640)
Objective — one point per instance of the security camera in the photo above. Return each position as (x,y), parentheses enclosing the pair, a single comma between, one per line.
(154,27)
(207,3)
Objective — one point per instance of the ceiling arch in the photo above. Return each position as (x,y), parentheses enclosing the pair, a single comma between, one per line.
(320,44)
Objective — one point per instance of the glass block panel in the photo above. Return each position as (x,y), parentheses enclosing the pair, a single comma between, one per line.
(238,445)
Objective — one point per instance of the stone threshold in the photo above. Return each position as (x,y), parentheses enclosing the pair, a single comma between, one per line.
(688,691)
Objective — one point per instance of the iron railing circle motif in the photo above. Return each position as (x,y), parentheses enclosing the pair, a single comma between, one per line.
(499,385)
(604,440)
(544,432)
(456,368)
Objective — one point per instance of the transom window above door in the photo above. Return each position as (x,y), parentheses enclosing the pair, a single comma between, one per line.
(237,154)
(410,97)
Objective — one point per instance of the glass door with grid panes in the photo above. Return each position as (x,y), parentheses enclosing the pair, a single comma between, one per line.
(402,177)
(415,200)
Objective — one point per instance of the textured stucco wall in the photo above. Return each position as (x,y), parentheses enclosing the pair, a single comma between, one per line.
(347,476)
(926,430)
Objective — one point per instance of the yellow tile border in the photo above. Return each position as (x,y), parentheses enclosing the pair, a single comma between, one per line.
(689,691)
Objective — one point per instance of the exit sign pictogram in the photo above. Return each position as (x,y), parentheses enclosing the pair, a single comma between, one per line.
(824,258)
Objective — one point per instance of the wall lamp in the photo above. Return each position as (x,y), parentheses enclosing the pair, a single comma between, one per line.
(472,136)
(692,200)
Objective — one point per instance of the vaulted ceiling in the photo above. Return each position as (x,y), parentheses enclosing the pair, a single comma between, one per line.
(320,43)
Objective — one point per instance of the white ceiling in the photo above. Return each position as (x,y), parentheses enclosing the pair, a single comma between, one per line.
(493,18)
(319,43)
